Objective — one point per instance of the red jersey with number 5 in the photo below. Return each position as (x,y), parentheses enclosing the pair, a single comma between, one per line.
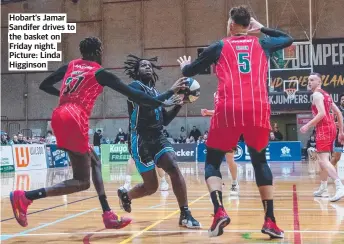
(242,97)
(80,86)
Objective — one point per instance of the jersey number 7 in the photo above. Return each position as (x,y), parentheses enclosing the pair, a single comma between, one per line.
(72,83)
(244,62)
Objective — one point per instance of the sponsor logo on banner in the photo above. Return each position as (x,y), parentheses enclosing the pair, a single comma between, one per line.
(238,153)
(27,157)
(118,153)
(185,152)
(7,164)
(285,152)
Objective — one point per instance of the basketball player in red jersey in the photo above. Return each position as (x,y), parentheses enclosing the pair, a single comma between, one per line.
(83,82)
(241,64)
(233,167)
(325,135)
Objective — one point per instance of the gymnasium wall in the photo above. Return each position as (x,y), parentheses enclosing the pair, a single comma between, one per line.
(164,28)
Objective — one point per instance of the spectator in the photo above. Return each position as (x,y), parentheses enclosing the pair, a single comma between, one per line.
(277,133)
(15,139)
(192,139)
(50,139)
(97,137)
(182,138)
(312,155)
(201,139)
(187,140)
(121,136)
(21,139)
(272,136)
(195,133)
(4,140)
(165,133)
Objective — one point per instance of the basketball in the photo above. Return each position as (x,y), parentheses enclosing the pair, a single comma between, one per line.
(194,93)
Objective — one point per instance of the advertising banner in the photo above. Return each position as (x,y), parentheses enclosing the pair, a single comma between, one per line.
(29,156)
(114,153)
(275,152)
(185,152)
(7,164)
(56,158)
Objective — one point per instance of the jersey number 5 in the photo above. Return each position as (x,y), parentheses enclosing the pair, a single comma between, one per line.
(244,62)
(72,83)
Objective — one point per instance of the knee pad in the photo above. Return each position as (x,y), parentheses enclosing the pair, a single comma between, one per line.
(213,162)
(261,168)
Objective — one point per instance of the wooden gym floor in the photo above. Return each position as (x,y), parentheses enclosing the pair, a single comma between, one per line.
(77,218)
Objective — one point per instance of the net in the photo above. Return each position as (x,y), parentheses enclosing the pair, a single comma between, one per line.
(291,92)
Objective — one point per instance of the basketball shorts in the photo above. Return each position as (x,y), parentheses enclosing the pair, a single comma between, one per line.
(147,149)
(325,139)
(226,139)
(70,126)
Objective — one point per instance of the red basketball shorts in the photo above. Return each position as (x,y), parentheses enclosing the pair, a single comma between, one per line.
(325,138)
(70,126)
(226,139)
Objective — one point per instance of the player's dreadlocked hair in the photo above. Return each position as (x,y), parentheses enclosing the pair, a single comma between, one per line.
(90,48)
(132,67)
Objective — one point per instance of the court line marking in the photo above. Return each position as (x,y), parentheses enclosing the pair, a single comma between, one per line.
(6,237)
(119,232)
(297,235)
(159,221)
(57,206)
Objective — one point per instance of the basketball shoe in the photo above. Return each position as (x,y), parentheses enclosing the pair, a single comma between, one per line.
(20,205)
(113,221)
(322,191)
(220,221)
(270,228)
(124,200)
(186,220)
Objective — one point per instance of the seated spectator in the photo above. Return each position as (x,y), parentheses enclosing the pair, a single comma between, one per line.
(4,140)
(311,148)
(192,139)
(121,136)
(165,133)
(182,137)
(15,139)
(272,136)
(21,139)
(187,140)
(200,140)
(195,133)
(50,139)
(277,133)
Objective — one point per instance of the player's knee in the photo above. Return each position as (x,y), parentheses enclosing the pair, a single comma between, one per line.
(212,163)
(168,163)
(84,185)
(261,168)
(151,188)
(211,171)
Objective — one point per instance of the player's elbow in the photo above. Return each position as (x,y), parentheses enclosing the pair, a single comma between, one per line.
(321,115)
(42,86)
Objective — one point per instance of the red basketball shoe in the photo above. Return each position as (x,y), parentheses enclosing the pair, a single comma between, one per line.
(220,221)
(113,221)
(20,204)
(270,228)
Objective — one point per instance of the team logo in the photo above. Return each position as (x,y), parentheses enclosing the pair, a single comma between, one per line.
(22,156)
(238,153)
(285,152)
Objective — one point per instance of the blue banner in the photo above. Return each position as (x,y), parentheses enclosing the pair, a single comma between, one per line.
(56,158)
(275,152)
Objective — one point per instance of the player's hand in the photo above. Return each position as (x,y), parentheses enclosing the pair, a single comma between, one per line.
(183,61)
(255,26)
(180,84)
(172,101)
(204,112)
(304,129)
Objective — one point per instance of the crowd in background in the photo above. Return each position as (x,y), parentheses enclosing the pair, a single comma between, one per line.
(19,138)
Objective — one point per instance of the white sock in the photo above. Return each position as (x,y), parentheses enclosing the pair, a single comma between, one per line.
(338,183)
(324,183)
(163,179)
(128,178)
(234,182)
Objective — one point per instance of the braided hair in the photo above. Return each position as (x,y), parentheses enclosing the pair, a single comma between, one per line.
(132,65)
(90,48)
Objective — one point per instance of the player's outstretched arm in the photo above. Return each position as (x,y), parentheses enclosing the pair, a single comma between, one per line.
(318,100)
(208,57)
(179,84)
(206,112)
(48,83)
(106,78)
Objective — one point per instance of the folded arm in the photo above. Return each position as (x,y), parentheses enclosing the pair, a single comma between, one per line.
(48,83)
